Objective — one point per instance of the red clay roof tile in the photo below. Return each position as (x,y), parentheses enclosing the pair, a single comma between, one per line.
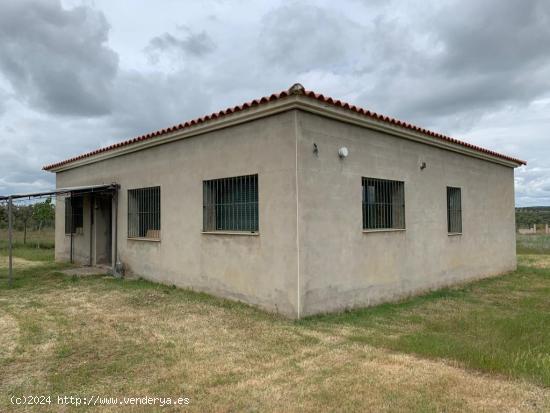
(296,89)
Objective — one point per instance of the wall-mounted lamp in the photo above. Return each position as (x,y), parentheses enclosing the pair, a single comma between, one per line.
(422,166)
(315,149)
(343,152)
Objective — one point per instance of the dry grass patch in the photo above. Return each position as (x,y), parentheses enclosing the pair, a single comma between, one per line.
(9,335)
(19,263)
(534,260)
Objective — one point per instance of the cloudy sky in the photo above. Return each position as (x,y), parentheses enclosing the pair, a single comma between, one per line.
(79,74)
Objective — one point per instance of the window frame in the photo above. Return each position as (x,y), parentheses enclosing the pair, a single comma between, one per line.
(238,216)
(388,187)
(153,223)
(456,211)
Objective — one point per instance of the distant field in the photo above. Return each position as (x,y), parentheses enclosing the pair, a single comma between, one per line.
(533,244)
(44,239)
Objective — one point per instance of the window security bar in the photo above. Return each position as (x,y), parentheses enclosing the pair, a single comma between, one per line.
(383,204)
(231,204)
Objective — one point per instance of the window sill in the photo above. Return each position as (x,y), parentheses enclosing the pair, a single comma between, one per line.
(454,234)
(143,239)
(254,234)
(385,230)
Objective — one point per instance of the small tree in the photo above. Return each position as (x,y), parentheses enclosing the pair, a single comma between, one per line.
(23,216)
(43,212)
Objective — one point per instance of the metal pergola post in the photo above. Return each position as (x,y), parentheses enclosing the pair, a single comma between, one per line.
(114,234)
(10,242)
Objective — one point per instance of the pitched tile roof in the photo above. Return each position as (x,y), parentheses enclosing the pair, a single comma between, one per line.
(296,89)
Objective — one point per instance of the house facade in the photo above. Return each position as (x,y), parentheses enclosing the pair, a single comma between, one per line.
(296,203)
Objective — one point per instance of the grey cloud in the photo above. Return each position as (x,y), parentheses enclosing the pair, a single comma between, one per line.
(3,101)
(20,172)
(37,184)
(435,99)
(192,44)
(533,185)
(483,55)
(141,103)
(157,100)
(301,37)
(56,59)
(494,35)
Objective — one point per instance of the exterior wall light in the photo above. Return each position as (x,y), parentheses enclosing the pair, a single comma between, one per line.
(343,152)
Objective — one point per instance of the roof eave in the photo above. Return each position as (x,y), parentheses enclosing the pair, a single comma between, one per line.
(347,116)
(302,101)
(248,115)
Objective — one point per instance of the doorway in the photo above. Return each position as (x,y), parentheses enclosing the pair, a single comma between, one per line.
(102,229)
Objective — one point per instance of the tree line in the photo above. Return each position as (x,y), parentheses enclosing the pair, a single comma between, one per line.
(26,218)
(526,217)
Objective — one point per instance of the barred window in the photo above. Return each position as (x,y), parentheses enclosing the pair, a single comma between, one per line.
(144,213)
(454,210)
(383,204)
(74,215)
(231,204)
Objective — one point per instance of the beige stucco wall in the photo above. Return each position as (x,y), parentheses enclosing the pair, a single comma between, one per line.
(259,269)
(317,229)
(341,266)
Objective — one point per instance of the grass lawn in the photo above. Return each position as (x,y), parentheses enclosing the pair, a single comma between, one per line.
(484,346)
(30,250)
(533,244)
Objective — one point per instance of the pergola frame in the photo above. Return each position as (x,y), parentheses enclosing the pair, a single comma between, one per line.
(113,188)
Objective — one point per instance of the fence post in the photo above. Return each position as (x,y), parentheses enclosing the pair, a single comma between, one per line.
(10,242)
(535,228)
(546,230)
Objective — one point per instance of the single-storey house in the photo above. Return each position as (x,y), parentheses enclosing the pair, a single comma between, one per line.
(297,203)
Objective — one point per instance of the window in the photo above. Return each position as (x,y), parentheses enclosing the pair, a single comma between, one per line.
(454,210)
(144,213)
(231,204)
(74,215)
(383,204)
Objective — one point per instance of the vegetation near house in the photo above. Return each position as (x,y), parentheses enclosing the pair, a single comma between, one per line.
(43,213)
(528,216)
(33,217)
(483,346)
